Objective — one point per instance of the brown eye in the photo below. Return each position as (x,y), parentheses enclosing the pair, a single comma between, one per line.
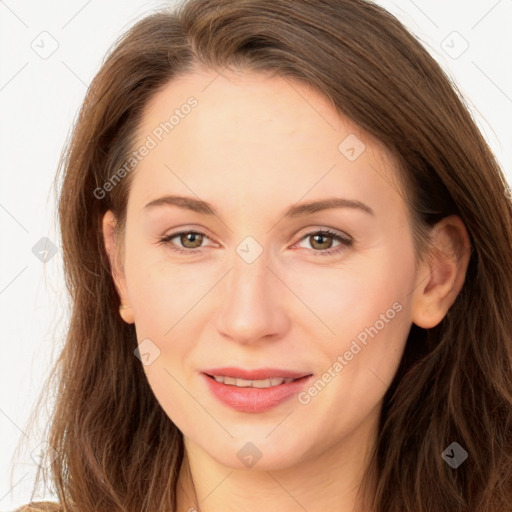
(191,238)
(187,241)
(321,241)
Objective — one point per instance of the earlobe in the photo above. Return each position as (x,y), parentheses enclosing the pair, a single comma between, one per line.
(441,278)
(126,313)
(117,272)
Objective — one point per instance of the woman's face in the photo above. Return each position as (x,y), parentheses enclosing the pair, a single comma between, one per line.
(253,286)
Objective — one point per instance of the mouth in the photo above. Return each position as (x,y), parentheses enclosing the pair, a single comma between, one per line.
(255,383)
(254,396)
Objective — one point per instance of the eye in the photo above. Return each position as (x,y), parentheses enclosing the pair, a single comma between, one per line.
(190,239)
(322,240)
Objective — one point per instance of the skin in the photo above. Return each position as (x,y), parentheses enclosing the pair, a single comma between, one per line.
(254,145)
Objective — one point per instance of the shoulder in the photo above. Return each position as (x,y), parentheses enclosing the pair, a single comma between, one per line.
(40,506)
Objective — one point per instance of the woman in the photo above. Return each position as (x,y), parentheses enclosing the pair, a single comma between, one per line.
(218,351)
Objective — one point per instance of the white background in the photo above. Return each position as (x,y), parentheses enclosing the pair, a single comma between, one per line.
(39,98)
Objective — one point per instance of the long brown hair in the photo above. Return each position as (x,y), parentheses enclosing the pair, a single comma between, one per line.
(117,449)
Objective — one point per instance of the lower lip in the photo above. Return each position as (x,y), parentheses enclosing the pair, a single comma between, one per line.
(255,399)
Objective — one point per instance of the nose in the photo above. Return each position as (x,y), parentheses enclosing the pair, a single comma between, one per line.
(252,303)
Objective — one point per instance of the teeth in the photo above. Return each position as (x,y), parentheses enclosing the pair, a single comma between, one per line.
(243,383)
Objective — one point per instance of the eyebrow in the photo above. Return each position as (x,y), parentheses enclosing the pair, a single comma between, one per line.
(296,210)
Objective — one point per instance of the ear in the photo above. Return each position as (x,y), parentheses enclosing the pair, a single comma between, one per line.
(113,251)
(440,279)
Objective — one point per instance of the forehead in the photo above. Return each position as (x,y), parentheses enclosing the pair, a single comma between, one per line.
(254,134)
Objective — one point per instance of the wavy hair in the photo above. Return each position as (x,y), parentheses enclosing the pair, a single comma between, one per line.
(117,449)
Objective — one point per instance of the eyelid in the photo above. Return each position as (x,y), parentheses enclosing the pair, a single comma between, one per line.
(312,230)
(344,240)
(167,238)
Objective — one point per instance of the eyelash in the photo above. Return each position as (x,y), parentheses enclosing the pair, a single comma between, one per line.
(344,242)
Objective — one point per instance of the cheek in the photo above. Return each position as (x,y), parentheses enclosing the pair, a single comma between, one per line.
(373,326)
(173,393)
(163,301)
(162,293)
(353,296)
(166,308)
(367,310)
(371,320)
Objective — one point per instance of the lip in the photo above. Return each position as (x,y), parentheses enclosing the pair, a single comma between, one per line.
(254,400)
(257,374)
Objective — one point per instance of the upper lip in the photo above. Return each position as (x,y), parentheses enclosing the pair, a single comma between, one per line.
(256,374)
